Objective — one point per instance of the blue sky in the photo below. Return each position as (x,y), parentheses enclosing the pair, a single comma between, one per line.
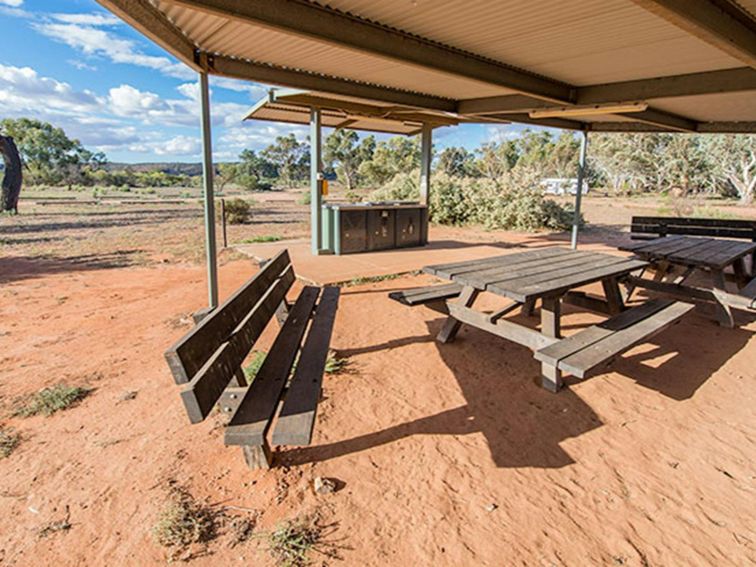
(77,66)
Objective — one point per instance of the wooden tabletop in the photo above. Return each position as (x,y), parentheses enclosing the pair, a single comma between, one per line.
(692,250)
(536,273)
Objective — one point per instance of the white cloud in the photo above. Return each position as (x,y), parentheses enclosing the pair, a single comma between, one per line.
(22,90)
(12,3)
(94,41)
(178,146)
(81,65)
(93,19)
(129,101)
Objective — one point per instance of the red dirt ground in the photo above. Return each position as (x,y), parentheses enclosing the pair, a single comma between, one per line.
(448,454)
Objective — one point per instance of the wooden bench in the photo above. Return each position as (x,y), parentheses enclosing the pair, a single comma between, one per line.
(596,345)
(433,296)
(207,361)
(654,227)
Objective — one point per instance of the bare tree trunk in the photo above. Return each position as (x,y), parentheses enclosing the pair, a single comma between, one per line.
(11,188)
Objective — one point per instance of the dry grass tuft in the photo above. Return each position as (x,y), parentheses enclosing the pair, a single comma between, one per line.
(183,521)
(51,400)
(292,542)
(9,440)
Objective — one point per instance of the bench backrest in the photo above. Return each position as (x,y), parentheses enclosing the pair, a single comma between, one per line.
(664,226)
(207,357)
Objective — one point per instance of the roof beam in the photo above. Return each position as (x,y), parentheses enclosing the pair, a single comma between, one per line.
(711,21)
(727,127)
(251,71)
(548,122)
(506,103)
(663,120)
(143,16)
(336,28)
(692,84)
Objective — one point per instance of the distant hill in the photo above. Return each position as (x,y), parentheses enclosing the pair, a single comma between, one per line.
(172,168)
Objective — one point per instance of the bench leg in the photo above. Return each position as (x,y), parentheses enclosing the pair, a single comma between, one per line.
(451,325)
(723,311)
(551,377)
(258,456)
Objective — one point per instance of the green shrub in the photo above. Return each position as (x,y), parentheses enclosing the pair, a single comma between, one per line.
(514,201)
(262,238)
(237,211)
(305,199)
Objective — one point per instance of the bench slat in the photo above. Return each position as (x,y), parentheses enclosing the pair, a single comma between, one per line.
(591,347)
(297,416)
(552,354)
(251,420)
(190,353)
(204,389)
(420,295)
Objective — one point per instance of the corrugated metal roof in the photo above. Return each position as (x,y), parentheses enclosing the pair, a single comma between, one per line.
(276,112)
(344,112)
(581,43)
(578,43)
(256,43)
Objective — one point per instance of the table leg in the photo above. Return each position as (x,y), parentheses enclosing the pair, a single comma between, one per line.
(630,288)
(451,325)
(528,307)
(613,295)
(723,312)
(661,269)
(551,313)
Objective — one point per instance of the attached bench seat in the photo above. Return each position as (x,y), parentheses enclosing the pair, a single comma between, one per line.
(433,296)
(744,299)
(591,347)
(207,361)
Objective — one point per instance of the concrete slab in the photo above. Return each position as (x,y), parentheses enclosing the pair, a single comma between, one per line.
(447,246)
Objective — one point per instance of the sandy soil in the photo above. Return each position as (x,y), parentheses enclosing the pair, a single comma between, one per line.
(446,454)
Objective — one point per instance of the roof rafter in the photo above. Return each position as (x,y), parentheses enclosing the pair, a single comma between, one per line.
(252,71)
(717,22)
(336,28)
(690,84)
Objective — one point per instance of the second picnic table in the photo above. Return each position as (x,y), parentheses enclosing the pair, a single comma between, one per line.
(549,275)
(675,258)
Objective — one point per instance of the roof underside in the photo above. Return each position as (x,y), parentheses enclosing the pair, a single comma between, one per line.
(693,62)
(345,112)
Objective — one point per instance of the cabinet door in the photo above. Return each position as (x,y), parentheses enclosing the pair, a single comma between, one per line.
(353,231)
(408,227)
(381,229)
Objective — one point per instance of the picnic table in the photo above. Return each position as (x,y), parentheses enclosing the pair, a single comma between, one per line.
(676,258)
(551,276)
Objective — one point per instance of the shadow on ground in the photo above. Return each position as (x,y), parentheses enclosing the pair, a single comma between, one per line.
(17,268)
(523,424)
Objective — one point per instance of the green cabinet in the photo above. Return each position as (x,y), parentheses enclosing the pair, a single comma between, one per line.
(353,228)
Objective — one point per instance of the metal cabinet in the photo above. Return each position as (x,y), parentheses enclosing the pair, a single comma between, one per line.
(352,228)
